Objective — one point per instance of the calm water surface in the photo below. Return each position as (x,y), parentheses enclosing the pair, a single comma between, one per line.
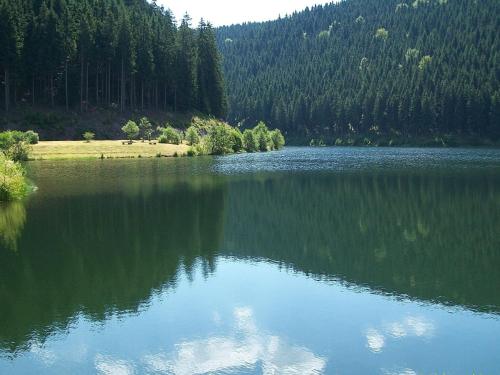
(304,261)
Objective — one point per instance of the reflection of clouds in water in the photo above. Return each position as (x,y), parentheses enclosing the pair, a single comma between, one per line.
(405,371)
(48,357)
(107,365)
(374,340)
(412,326)
(245,349)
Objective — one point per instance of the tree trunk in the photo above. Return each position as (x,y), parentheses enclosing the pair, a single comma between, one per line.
(66,83)
(142,95)
(97,85)
(122,96)
(81,82)
(7,89)
(165,96)
(87,89)
(33,90)
(109,84)
(156,95)
(51,90)
(132,85)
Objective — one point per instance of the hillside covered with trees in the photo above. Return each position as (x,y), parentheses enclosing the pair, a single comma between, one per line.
(369,68)
(121,54)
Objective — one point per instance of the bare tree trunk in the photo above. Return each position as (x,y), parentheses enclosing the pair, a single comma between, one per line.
(165,96)
(156,95)
(142,95)
(51,90)
(81,82)
(7,90)
(132,91)
(97,85)
(87,89)
(122,96)
(33,90)
(66,83)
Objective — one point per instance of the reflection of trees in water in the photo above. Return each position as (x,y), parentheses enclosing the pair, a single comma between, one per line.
(101,255)
(12,220)
(433,237)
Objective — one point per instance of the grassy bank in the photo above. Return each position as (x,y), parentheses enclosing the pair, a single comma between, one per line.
(49,150)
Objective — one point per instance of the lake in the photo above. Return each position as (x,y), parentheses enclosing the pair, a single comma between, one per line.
(302,261)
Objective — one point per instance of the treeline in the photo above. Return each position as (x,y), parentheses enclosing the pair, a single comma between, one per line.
(398,67)
(123,54)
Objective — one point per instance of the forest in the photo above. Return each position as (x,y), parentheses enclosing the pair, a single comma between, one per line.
(119,54)
(369,68)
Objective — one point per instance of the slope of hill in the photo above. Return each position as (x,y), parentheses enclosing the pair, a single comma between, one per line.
(370,68)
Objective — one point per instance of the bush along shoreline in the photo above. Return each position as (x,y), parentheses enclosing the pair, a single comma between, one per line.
(15,147)
(208,136)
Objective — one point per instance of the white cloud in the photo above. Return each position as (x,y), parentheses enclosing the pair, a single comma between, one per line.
(245,348)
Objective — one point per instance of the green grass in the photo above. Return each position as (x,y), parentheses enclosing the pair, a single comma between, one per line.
(50,150)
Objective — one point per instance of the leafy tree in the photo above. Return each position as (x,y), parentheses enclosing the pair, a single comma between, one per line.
(237,139)
(192,136)
(277,139)
(131,130)
(31,137)
(170,135)
(88,136)
(262,136)
(146,128)
(382,33)
(219,139)
(249,142)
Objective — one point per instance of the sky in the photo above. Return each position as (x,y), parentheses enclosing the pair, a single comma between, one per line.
(226,12)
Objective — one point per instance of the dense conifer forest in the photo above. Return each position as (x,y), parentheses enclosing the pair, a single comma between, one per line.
(369,67)
(122,54)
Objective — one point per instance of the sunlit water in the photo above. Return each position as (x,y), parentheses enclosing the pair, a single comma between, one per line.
(303,261)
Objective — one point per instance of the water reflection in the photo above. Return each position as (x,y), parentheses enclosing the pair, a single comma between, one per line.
(12,220)
(377,338)
(431,236)
(103,256)
(102,242)
(246,348)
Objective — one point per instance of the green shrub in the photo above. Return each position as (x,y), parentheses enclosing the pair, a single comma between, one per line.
(13,183)
(237,139)
(219,140)
(191,152)
(88,136)
(131,130)
(170,135)
(262,137)
(14,146)
(277,139)
(31,137)
(249,141)
(192,136)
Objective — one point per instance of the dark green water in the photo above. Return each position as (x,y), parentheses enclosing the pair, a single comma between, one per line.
(305,261)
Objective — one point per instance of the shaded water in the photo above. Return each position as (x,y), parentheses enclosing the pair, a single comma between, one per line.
(336,261)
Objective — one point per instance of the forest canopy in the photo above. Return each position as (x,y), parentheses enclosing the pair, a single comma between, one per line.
(123,54)
(398,67)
